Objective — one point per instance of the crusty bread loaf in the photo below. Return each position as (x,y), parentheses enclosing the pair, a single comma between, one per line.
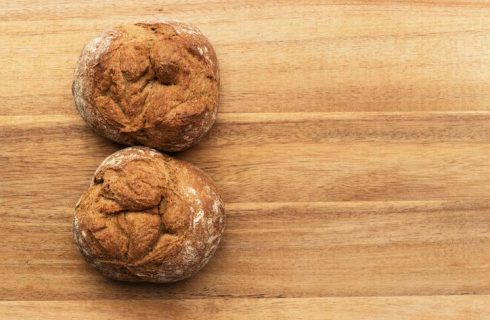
(151,83)
(148,217)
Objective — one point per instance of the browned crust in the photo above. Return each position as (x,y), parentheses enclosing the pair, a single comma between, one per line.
(151,83)
(148,217)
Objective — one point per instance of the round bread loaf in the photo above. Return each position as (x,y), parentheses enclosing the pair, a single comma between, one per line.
(153,84)
(148,217)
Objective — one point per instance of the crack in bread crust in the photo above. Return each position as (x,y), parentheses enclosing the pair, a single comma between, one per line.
(154,84)
(162,230)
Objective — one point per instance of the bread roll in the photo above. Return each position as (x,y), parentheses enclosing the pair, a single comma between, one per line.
(148,217)
(151,83)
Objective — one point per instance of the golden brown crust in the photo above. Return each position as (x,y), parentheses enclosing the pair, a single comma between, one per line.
(148,217)
(151,83)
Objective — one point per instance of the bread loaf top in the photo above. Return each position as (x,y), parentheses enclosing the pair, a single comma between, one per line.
(148,217)
(151,83)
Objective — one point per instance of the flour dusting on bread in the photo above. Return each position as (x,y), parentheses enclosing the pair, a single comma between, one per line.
(148,84)
(143,209)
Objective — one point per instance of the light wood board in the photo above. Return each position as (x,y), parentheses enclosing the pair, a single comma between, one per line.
(352,151)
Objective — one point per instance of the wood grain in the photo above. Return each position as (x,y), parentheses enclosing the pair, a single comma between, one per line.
(351,150)
(282,57)
(279,250)
(382,308)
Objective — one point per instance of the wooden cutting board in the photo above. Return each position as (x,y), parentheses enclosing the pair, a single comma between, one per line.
(352,150)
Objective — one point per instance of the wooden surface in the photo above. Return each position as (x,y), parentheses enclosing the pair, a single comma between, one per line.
(352,151)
